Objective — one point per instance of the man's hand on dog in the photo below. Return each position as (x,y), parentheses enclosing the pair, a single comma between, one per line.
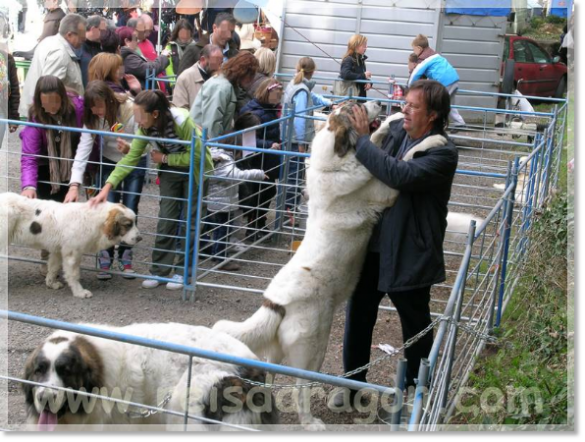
(359,120)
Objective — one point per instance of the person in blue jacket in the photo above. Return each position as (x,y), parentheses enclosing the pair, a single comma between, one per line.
(436,67)
(299,95)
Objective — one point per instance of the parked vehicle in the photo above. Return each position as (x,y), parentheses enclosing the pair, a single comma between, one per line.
(535,71)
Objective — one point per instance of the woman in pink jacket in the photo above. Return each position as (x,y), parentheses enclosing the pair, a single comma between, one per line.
(47,154)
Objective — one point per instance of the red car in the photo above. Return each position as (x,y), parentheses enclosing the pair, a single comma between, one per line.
(536,72)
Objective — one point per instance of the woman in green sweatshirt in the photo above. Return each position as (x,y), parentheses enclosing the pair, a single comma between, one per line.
(157,118)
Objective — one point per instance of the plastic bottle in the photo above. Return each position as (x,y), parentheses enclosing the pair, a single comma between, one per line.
(391,86)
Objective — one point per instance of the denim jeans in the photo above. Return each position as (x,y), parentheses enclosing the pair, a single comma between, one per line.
(128,193)
(221,234)
(296,173)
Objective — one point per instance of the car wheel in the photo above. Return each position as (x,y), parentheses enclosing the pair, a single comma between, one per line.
(561,88)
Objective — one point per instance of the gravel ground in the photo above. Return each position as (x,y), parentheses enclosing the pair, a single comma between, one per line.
(122,302)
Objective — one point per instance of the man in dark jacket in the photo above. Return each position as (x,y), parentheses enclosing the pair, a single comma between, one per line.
(223,36)
(92,44)
(405,254)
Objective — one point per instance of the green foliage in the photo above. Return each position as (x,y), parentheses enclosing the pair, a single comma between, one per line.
(536,22)
(531,353)
(556,20)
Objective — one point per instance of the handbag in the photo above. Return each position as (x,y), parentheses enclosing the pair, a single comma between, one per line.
(345,88)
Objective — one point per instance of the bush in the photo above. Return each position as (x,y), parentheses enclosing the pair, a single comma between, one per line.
(536,22)
(555,20)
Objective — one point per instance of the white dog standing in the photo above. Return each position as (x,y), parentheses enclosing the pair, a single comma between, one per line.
(345,200)
(66,231)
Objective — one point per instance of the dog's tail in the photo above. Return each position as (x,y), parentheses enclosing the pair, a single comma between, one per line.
(259,330)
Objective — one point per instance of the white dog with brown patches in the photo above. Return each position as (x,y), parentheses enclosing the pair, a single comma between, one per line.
(345,201)
(141,375)
(66,231)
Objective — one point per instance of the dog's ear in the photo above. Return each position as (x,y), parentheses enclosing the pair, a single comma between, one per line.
(29,370)
(338,125)
(117,224)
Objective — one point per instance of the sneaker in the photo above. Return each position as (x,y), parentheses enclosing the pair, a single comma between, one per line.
(177,285)
(150,284)
(128,272)
(105,274)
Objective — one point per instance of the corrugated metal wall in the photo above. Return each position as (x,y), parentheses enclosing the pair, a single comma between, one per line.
(321,29)
(474,46)
(329,25)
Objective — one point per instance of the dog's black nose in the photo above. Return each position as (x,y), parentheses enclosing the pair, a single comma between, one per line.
(138,238)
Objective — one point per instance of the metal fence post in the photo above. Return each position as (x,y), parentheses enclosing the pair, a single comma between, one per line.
(188,222)
(559,148)
(457,317)
(419,395)
(188,394)
(549,157)
(199,218)
(507,226)
(288,127)
(398,397)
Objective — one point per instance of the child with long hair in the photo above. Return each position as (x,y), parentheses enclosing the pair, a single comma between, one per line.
(300,96)
(47,154)
(110,112)
(157,118)
(353,64)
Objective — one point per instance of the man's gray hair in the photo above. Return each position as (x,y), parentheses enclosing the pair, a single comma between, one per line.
(132,23)
(70,23)
(208,50)
(94,21)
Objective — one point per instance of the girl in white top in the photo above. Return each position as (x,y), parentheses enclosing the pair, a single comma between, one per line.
(108,111)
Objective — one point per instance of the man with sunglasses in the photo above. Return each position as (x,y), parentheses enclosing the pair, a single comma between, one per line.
(405,253)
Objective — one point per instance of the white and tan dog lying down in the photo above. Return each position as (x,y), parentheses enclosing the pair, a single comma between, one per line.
(142,375)
(66,231)
(345,201)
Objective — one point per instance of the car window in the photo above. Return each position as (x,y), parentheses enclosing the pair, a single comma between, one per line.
(538,54)
(521,53)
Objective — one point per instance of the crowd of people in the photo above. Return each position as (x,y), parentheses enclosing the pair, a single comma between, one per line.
(87,73)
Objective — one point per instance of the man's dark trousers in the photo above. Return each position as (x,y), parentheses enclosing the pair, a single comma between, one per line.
(362,313)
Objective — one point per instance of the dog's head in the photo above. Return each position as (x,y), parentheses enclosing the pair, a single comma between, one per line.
(66,362)
(120,225)
(340,124)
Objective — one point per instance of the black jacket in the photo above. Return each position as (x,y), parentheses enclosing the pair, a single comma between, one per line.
(354,68)
(268,135)
(265,136)
(410,234)
(90,50)
(137,65)
(14,91)
(193,53)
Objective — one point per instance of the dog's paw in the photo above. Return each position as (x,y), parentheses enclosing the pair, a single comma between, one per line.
(54,284)
(83,294)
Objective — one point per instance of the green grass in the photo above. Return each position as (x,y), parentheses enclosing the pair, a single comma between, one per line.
(529,362)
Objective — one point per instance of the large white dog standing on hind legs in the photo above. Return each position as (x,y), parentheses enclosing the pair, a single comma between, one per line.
(345,200)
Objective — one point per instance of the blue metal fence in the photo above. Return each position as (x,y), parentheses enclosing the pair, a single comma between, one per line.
(489,267)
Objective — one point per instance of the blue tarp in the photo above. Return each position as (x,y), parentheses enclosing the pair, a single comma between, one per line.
(494,8)
(561,8)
